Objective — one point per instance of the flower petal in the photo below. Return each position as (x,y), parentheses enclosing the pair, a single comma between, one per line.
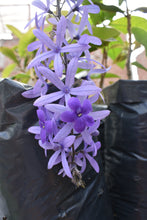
(53,158)
(43,135)
(40,88)
(93,162)
(87,137)
(77,142)
(40,58)
(63,132)
(79,125)
(94,127)
(49,126)
(74,104)
(65,164)
(71,71)
(87,107)
(39,4)
(44,38)
(83,165)
(74,48)
(95,40)
(68,141)
(68,116)
(83,22)
(84,90)
(99,114)
(61,29)
(41,115)
(56,108)
(34,45)
(46,145)
(94,98)
(58,64)
(34,129)
(51,77)
(45,99)
(94,9)
(89,120)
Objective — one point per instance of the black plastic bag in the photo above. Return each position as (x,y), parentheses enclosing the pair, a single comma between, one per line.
(30,191)
(126,148)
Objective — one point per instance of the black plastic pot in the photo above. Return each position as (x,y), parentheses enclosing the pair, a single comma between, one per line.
(28,190)
(126,148)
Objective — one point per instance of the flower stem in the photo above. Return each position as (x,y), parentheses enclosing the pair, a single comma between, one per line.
(128,63)
(58,9)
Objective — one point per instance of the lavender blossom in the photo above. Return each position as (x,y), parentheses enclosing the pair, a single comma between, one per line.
(66,129)
(39,89)
(78,114)
(66,89)
(45,9)
(56,49)
(78,7)
(61,150)
(85,154)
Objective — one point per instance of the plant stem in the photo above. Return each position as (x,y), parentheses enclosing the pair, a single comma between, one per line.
(58,9)
(128,63)
(104,62)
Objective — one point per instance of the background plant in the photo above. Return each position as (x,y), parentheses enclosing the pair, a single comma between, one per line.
(113,45)
(20,56)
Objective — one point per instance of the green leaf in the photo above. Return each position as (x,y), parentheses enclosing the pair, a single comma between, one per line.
(121,23)
(105,33)
(21,77)
(25,40)
(107,75)
(142,9)
(114,49)
(101,17)
(139,65)
(121,57)
(137,21)
(116,46)
(8,70)
(109,8)
(120,2)
(107,12)
(15,31)
(141,36)
(9,53)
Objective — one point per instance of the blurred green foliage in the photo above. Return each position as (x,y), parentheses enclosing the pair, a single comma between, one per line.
(19,56)
(113,45)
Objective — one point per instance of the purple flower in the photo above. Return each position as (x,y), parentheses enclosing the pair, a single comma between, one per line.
(45,126)
(37,44)
(40,87)
(67,128)
(56,48)
(78,114)
(45,8)
(78,7)
(60,154)
(65,89)
(86,155)
(84,41)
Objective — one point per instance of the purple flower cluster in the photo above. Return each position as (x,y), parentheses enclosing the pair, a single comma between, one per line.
(67,123)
